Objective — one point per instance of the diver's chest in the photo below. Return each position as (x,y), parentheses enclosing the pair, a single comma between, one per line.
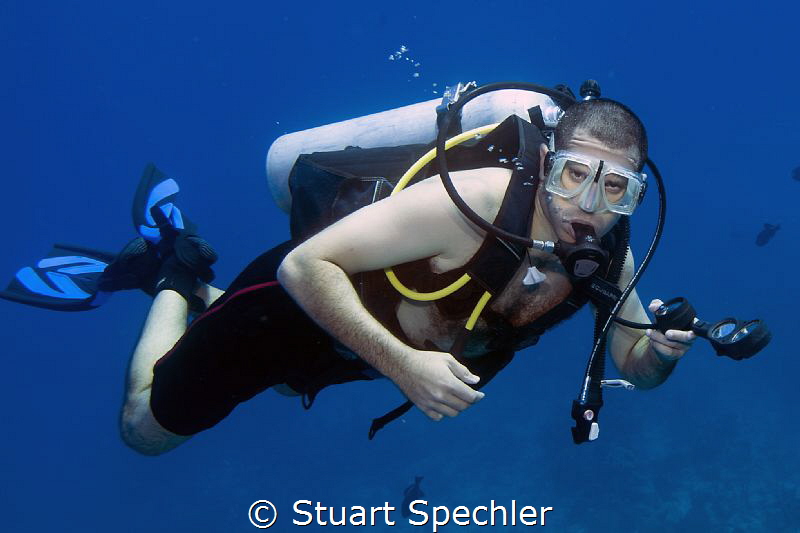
(522,303)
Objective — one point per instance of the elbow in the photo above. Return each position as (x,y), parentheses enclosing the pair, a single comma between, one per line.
(643,380)
(292,270)
(288,269)
(304,270)
(642,384)
(641,367)
(626,374)
(297,268)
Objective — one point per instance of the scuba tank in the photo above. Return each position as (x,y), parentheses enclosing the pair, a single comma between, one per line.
(412,124)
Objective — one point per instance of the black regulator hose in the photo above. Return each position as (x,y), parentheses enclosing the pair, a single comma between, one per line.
(589,401)
(585,408)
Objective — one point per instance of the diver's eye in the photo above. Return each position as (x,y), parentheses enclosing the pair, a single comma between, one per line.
(615,186)
(575,174)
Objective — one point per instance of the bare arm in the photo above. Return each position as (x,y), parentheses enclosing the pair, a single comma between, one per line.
(646,359)
(420,222)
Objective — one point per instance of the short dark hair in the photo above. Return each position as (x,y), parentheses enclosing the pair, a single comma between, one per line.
(610,122)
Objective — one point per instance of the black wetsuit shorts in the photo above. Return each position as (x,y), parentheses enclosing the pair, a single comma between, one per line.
(253,337)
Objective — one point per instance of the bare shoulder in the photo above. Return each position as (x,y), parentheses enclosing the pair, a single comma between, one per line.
(418,222)
(485,187)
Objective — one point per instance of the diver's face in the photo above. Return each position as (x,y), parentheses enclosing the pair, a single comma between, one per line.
(562,212)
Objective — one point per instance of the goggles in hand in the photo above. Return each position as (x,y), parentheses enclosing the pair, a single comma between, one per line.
(598,185)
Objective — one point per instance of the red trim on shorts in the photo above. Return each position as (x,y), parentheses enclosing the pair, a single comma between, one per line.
(235,294)
(214,310)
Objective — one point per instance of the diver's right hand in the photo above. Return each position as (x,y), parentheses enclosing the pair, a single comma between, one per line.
(437,383)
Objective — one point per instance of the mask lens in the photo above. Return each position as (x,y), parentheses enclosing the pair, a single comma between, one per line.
(723,330)
(745,331)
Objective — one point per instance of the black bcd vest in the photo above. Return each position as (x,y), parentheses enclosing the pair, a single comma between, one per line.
(327,186)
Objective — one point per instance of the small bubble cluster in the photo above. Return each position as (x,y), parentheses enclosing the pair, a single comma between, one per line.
(401,54)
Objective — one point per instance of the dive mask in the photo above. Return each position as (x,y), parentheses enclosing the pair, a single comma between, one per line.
(598,185)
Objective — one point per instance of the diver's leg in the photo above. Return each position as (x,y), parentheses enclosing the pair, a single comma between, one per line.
(165,324)
(208,294)
(185,380)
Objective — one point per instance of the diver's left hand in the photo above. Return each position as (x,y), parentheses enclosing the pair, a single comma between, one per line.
(670,346)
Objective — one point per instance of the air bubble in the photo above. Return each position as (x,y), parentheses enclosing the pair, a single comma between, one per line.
(403,53)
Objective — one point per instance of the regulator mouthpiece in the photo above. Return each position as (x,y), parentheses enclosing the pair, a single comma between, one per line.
(583,258)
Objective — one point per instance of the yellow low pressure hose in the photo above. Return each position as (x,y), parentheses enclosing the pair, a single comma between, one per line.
(460,282)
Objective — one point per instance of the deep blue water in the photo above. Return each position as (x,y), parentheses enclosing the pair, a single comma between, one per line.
(93,92)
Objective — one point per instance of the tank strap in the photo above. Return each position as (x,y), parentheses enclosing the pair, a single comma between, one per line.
(496,262)
(536,117)
(380,422)
(487,366)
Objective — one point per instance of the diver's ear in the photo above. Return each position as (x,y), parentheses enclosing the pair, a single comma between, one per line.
(543,152)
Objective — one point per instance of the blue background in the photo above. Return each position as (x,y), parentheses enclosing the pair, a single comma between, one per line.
(93,92)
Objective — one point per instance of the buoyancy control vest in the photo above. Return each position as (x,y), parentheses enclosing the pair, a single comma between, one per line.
(327,186)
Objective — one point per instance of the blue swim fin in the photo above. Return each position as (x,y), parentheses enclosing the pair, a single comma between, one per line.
(157,191)
(163,225)
(73,278)
(65,280)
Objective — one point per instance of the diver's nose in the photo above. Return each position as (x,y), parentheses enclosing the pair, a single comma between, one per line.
(590,198)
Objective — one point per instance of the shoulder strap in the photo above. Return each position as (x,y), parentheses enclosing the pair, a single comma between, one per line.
(496,262)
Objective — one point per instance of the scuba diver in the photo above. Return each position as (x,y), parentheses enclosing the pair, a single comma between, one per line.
(357,293)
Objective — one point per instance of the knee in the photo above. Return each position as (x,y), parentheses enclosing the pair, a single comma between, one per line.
(142,433)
